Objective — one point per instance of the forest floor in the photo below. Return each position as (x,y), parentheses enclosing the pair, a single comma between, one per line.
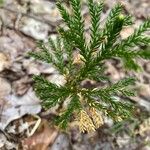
(22,23)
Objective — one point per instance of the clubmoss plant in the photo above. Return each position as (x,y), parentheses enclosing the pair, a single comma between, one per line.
(90,104)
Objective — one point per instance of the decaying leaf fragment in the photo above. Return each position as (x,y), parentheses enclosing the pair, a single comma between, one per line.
(144,127)
(42,138)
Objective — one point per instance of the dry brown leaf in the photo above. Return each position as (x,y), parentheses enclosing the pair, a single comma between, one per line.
(20,87)
(144,127)
(18,106)
(44,137)
(144,91)
(5,87)
(4,61)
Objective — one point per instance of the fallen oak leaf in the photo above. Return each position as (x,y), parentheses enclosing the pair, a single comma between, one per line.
(41,140)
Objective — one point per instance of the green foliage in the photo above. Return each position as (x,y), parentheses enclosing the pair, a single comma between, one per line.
(56,94)
(1,2)
(88,63)
(95,12)
(64,118)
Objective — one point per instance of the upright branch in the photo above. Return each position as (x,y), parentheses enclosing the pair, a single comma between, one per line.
(78,60)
